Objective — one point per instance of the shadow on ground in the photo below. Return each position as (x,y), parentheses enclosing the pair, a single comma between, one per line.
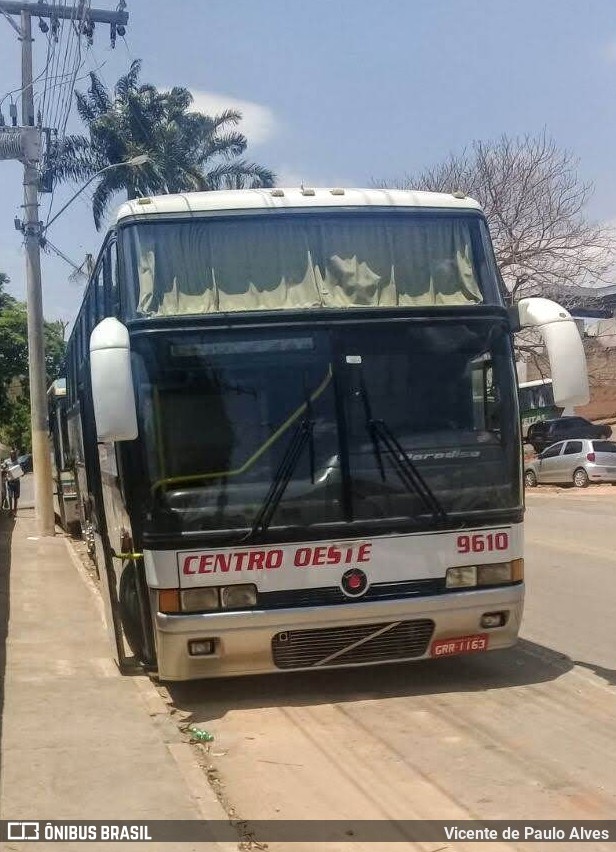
(6,533)
(608,675)
(527,663)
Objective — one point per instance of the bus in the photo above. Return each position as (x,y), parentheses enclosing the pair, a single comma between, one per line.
(65,493)
(295,425)
(536,403)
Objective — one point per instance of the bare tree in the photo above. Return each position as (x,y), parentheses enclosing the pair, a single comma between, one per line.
(534,202)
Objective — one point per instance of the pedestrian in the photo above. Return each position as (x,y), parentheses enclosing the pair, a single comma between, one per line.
(4,493)
(13,485)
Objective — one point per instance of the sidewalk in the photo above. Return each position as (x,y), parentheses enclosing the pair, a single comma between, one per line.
(79,741)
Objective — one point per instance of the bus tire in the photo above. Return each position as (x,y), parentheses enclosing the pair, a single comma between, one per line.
(130,612)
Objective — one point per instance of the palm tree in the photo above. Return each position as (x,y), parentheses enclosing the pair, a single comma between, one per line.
(187,150)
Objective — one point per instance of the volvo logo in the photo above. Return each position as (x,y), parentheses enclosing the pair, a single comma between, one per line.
(354,583)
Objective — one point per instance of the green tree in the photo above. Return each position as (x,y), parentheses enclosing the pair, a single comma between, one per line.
(187,150)
(13,344)
(14,388)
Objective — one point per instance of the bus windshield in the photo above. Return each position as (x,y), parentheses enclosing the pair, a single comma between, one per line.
(311,429)
(273,261)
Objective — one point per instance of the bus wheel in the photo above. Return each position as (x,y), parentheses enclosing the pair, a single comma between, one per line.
(580,478)
(130,612)
(530,479)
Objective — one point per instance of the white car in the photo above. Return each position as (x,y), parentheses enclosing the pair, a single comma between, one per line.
(576,462)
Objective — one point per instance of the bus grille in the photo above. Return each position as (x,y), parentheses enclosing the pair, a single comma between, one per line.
(333,595)
(362,643)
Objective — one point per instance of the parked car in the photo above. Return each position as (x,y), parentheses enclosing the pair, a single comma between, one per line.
(25,462)
(573,463)
(546,432)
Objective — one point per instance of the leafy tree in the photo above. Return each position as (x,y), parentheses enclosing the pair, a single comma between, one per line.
(13,342)
(187,150)
(14,389)
(534,203)
(5,298)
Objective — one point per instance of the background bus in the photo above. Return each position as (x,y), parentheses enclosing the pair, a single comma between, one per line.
(537,403)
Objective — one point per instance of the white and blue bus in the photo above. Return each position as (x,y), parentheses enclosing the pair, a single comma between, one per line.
(536,403)
(296,431)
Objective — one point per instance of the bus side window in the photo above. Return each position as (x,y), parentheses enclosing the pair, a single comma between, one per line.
(485,397)
(99,293)
(92,311)
(110,276)
(79,339)
(84,336)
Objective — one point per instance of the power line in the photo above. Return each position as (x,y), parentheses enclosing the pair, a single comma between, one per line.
(68,49)
(62,82)
(54,100)
(128,50)
(65,100)
(19,90)
(47,244)
(73,45)
(50,49)
(77,65)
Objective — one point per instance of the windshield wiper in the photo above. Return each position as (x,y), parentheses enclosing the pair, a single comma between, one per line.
(303,435)
(380,433)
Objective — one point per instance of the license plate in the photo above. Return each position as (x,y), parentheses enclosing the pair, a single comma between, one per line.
(459,645)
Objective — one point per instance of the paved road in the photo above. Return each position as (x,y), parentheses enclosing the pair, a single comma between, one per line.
(571,560)
(529,733)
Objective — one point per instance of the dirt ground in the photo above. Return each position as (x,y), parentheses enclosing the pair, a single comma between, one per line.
(603,489)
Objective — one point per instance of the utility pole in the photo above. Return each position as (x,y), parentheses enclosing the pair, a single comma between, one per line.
(30,147)
(41,457)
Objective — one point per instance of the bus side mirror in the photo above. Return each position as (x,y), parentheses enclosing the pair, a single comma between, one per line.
(113,393)
(564,347)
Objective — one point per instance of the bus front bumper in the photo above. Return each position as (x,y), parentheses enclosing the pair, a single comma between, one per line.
(262,641)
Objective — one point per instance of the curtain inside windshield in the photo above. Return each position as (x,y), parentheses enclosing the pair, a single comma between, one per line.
(251,430)
(273,262)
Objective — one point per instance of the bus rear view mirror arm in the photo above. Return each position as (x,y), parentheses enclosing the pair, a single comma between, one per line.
(563,344)
(113,394)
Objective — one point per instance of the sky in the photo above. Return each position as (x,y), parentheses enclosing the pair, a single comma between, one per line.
(345,92)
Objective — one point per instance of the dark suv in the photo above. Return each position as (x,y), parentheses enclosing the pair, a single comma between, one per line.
(546,432)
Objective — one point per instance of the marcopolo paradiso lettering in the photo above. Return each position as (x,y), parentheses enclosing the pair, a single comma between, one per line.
(267,559)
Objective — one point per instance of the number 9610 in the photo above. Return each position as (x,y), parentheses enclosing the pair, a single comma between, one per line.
(481,542)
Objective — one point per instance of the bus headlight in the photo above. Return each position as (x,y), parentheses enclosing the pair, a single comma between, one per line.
(238,597)
(461,578)
(494,574)
(199,600)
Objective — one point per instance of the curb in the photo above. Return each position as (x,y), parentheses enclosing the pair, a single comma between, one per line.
(200,791)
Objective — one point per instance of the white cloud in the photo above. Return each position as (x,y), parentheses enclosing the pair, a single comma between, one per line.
(259,124)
